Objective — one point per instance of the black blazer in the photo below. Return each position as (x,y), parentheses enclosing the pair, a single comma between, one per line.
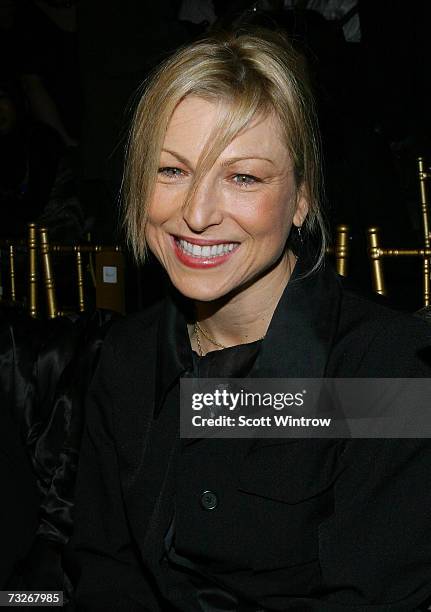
(372,549)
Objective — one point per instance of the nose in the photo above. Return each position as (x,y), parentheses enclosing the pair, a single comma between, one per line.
(203,208)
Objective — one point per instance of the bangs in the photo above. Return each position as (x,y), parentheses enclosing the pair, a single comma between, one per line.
(234,117)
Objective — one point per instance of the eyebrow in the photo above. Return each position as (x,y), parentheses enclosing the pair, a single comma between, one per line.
(180,158)
(232,160)
(226,162)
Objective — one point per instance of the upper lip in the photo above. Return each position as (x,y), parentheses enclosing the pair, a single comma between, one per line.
(203,241)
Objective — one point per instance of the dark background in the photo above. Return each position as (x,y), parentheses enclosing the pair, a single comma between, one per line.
(70,72)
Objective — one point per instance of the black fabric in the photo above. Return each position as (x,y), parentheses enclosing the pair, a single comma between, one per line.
(191,587)
(46,369)
(20,500)
(234,361)
(300,525)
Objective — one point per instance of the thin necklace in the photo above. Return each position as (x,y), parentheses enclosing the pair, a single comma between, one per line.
(198,329)
(198,342)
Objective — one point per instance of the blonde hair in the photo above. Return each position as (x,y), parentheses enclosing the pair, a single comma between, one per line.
(252,72)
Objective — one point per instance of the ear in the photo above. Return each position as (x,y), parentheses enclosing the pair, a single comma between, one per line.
(302,206)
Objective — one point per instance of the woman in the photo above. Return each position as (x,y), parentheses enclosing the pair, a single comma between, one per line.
(223,187)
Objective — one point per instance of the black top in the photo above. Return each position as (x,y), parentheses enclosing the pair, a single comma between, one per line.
(317,524)
(191,587)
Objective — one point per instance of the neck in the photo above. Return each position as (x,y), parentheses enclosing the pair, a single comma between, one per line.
(244,316)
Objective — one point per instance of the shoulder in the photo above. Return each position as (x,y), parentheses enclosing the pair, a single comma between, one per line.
(130,346)
(373,314)
(380,339)
(135,330)
(127,366)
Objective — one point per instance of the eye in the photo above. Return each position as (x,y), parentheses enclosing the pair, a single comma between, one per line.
(171,172)
(244,180)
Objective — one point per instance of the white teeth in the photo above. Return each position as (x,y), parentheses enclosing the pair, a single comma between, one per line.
(186,246)
(207,251)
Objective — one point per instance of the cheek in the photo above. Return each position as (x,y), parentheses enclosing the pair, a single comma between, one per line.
(269,217)
(156,219)
(158,209)
(166,205)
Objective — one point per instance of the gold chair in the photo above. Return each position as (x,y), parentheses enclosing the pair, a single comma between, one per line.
(105,265)
(377,253)
(29,285)
(32,270)
(341,249)
(8,290)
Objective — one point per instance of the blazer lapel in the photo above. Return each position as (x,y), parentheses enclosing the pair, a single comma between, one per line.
(301,333)
(302,329)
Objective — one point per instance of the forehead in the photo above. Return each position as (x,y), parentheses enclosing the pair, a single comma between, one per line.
(194,121)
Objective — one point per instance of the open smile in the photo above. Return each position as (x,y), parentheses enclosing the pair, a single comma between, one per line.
(203,253)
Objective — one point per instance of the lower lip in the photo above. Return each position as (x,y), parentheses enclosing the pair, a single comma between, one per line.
(200,262)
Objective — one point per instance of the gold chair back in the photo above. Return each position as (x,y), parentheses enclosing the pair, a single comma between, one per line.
(12,272)
(109,291)
(341,249)
(48,274)
(32,270)
(377,253)
(105,267)
(25,281)
(8,290)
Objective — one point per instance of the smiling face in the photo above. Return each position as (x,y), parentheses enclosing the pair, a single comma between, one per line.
(234,229)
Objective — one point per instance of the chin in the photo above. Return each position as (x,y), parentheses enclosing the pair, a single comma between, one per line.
(200,291)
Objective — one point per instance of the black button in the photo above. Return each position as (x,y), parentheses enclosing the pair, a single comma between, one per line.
(209,500)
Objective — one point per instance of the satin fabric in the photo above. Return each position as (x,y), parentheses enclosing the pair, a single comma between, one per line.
(45,370)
